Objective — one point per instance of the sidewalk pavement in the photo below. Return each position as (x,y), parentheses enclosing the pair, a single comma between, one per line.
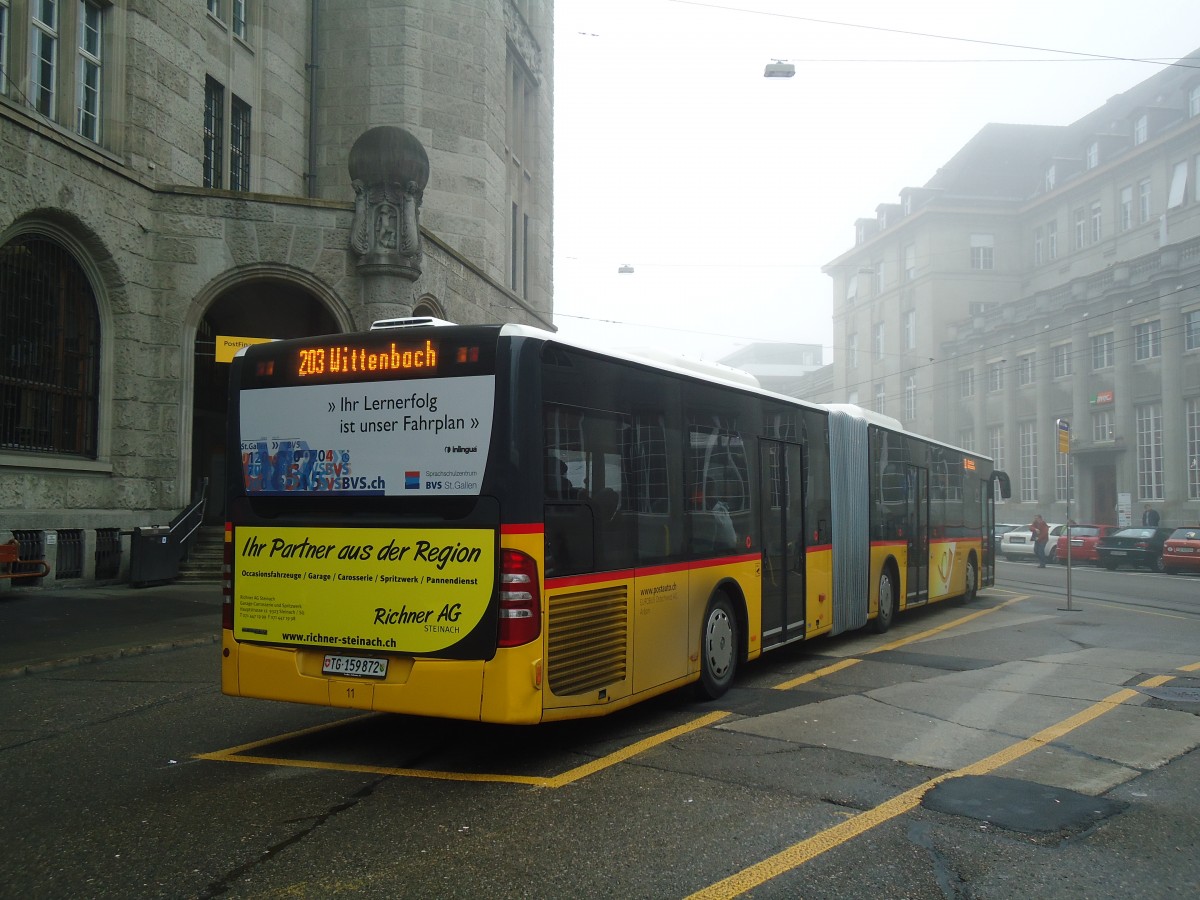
(42,630)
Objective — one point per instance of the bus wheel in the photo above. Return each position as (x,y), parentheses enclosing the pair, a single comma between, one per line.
(718,649)
(887,602)
(972,580)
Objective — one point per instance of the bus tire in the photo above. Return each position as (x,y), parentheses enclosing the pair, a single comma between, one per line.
(972,579)
(887,602)
(718,648)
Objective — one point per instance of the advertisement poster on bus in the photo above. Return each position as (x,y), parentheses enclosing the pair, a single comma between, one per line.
(411,591)
(385,438)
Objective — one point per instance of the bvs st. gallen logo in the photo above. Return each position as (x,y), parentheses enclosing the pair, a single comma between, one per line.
(412,481)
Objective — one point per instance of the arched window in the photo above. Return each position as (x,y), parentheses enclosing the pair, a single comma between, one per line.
(49,350)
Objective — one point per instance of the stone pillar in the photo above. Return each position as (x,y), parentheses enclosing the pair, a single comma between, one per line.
(389,170)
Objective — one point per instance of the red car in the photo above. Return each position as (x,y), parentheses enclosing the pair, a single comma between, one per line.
(1181,551)
(1083,540)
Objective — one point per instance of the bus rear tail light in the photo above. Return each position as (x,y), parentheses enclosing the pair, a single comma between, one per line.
(520,599)
(227,579)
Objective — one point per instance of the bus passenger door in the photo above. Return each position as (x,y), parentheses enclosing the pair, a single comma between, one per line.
(783,560)
(917,532)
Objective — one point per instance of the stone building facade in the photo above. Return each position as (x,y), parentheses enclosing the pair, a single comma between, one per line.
(177,171)
(1046,275)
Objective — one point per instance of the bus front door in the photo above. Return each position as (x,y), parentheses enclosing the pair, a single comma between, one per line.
(782,503)
(918,535)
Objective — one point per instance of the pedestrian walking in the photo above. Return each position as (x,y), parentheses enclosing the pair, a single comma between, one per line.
(1041,534)
(1150,517)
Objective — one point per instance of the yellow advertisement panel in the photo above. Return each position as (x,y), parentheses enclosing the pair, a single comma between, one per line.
(413,591)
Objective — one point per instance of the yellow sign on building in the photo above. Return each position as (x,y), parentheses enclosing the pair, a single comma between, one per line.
(227,347)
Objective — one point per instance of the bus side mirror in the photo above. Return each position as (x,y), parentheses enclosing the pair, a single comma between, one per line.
(1005,484)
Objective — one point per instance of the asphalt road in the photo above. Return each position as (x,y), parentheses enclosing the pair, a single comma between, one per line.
(1010,748)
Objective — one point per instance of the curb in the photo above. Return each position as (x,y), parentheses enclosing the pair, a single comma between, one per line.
(37,668)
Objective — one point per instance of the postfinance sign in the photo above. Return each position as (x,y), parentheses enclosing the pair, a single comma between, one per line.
(411,591)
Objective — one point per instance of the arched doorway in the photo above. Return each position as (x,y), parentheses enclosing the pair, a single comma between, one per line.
(262,308)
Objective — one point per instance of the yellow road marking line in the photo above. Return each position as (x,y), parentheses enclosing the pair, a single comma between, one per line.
(810,848)
(920,636)
(279,738)
(632,750)
(237,754)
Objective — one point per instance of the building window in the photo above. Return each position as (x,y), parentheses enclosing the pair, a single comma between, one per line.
(1196,180)
(1191,330)
(1178,192)
(1051,177)
(981,251)
(1126,207)
(1062,360)
(877,270)
(3,46)
(910,397)
(1093,154)
(1102,426)
(878,330)
(1144,201)
(910,330)
(50,370)
(1062,477)
(996,452)
(1102,350)
(880,397)
(1149,451)
(214,8)
(520,128)
(43,56)
(1037,246)
(1080,228)
(966,384)
(1052,240)
(966,439)
(1147,340)
(239,145)
(995,377)
(214,128)
(239,18)
(1025,367)
(1096,222)
(88,88)
(1193,447)
(852,350)
(1141,130)
(910,262)
(1027,448)
(851,288)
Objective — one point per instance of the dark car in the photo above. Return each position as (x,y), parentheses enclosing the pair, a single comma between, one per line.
(1083,540)
(1181,552)
(1137,546)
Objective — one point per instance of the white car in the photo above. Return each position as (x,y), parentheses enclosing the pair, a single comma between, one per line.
(1018,543)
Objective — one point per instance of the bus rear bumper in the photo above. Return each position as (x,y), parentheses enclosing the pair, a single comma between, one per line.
(445,688)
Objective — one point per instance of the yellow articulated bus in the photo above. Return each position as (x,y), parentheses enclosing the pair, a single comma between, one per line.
(489,523)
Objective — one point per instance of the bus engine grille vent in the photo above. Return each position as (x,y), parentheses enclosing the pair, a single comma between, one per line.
(588,633)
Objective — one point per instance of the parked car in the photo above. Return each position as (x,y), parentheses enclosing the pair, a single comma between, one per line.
(1136,546)
(1181,551)
(1083,540)
(1018,543)
(999,531)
